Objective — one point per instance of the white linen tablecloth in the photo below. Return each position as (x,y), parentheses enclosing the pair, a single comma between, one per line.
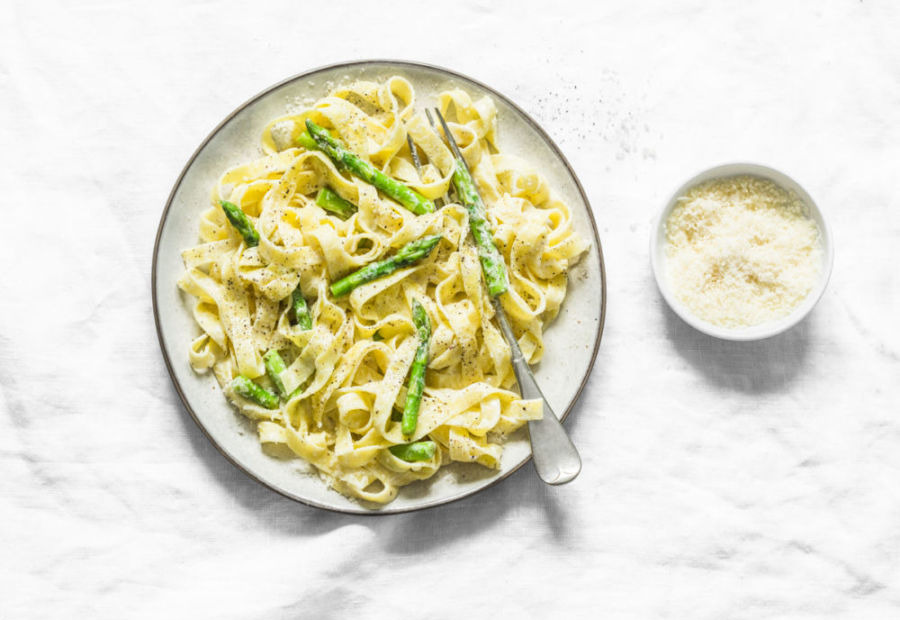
(721,480)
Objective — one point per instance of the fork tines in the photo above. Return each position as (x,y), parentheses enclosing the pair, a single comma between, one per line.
(415,154)
(449,135)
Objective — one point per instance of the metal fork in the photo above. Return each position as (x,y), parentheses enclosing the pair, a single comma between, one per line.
(418,164)
(555,457)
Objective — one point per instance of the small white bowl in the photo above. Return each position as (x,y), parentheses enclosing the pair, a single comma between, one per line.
(763,330)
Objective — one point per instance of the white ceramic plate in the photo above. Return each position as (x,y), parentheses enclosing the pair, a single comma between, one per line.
(571,342)
(753,332)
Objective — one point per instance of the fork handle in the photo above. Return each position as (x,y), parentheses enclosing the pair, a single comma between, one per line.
(555,457)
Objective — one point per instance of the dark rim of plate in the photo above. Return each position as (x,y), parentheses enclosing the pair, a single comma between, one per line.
(359,64)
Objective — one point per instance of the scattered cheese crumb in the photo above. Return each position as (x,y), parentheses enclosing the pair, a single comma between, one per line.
(283,135)
(741,251)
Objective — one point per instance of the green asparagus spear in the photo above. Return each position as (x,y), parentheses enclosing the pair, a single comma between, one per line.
(407,255)
(417,370)
(406,196)
(492,264)
(274,367)
(244,387)
(331,202)
(418,451)
(299,310)
(306,141)
(239,220)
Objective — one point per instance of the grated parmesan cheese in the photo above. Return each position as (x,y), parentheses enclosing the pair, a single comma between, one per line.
(741,251)
(282,134)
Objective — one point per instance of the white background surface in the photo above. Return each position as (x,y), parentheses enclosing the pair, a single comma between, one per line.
(721,480)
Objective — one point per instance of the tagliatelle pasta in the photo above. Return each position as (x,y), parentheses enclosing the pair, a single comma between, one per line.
(347,374)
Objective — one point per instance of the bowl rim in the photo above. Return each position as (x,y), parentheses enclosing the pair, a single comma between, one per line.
(768,328)
(354,64)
